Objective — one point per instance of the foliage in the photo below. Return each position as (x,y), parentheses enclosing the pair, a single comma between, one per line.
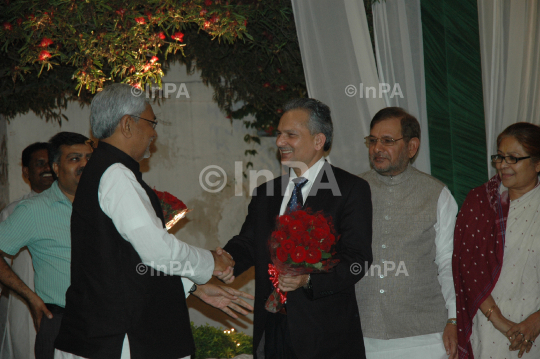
(246,50)
(58,50)
(212,342)
(255,76)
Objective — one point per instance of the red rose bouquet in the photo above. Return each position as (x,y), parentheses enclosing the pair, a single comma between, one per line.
(173,209)
(302,243)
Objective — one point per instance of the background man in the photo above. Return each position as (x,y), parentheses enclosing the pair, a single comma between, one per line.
(321,318)
(116,306)
(47,238)
(17,333)
(414,214)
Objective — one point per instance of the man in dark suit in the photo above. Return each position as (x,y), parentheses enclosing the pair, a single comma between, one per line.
(321,318)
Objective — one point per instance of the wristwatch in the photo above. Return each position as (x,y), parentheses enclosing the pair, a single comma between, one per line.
(193,288)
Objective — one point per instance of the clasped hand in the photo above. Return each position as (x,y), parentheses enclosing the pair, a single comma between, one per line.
(223,265)
(522,335)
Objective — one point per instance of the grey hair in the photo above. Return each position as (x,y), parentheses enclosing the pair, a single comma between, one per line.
(320,120)
(111,104)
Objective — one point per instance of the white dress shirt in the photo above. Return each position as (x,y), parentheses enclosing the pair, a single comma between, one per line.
(429,346)
(311,174)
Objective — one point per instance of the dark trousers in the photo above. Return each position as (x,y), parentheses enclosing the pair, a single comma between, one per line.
(278,344)
(48,331)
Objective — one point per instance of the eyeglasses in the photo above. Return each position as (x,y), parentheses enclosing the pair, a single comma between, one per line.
(508,159)
(385,141)
(154,123)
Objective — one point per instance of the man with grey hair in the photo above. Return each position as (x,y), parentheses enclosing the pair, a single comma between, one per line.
(117,306)
(320,319)
(407,301)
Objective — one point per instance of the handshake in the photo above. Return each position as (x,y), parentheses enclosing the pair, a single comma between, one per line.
(223,265)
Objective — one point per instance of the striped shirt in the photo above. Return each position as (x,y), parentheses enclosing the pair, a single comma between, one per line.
(42,223)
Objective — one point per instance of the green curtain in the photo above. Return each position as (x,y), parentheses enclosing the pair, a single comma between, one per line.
(455,109)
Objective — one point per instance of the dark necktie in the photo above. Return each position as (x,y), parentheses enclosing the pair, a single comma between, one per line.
(297,201)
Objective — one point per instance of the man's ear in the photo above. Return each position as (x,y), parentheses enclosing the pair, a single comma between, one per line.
(413,145)
(55,168)
(26,172)
(126,126)
(320,140)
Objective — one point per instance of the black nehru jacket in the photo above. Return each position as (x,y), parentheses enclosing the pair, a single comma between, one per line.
(108,298)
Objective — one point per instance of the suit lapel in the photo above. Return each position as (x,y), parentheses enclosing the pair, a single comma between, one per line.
(277,198)
(319,197)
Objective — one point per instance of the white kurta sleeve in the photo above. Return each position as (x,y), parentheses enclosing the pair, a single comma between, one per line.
(444,241)
(122,198)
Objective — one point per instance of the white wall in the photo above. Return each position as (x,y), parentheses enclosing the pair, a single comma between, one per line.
(193,134)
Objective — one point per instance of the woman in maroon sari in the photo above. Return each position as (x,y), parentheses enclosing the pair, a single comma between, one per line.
(496,262)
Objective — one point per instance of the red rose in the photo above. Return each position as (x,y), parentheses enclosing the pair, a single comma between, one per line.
(318,234)
(325,246)
(46,42)
(296,237)
(149,15)
(279,110)
(279,235)
(214,18)
(208,2)
(207,24)
(8,26)
(298,255)
(304,238)
(137,86)
(288,245)
(203,12)
(161,35)
(331,239)
(154,59)
(297,226)
(140,20)
(282,255)
(285,219)
(313,256)
(179,36)
(44,55)
(121,11)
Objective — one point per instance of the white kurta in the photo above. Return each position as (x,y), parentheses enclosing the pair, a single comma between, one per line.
(17,332)
(517,292)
